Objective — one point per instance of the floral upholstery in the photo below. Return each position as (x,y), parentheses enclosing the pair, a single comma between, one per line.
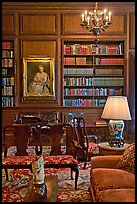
(19,160)
(60,159)
(127,162)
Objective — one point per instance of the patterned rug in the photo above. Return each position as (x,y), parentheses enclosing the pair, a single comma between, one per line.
(66,186)
(15,189)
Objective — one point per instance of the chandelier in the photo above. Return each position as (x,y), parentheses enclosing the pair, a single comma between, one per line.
(96,21)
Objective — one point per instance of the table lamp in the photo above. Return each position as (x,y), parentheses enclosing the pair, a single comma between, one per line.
(116,109)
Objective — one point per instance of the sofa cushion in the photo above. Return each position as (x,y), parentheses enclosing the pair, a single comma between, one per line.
(127,162)
(117,195)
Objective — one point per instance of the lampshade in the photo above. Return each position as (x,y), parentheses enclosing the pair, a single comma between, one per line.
(116,107)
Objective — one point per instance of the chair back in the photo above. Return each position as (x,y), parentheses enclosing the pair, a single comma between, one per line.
(70,115)
(80,138)
(10,131)
(7,133)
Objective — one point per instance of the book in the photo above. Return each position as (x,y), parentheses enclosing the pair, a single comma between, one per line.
(100,122)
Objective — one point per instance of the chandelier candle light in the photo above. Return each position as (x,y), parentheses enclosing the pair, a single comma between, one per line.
(116,109)
(96,21)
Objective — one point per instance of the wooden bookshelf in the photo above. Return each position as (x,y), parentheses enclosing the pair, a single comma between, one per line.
(8,74)
(92,73)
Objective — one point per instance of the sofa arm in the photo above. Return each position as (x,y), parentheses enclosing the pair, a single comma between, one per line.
(107,161)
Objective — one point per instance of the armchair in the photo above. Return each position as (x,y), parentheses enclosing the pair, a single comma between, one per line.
(112,177)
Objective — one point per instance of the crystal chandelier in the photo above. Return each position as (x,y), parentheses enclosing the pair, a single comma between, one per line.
(96,21)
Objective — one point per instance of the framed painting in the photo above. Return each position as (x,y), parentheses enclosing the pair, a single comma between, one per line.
(38,78)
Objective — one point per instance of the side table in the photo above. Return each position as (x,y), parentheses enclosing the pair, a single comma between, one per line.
(106,149)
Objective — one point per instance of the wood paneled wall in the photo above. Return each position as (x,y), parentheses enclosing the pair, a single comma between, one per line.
(39,28)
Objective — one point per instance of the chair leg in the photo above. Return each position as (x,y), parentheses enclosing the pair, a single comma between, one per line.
(85,163)
(76,169)
(71,173)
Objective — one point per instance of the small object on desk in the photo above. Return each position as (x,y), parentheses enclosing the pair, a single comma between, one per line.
(31,118)
(100,123)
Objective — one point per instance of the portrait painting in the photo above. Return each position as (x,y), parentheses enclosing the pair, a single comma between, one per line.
(38,77)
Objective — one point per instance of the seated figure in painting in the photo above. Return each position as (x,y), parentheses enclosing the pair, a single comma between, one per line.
(40,84)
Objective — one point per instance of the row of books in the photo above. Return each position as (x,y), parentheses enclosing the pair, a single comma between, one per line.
(7,53)
(109,61)
(84,102)
(96,81)
(92,49)
(111,49)
(97,61)
(78,71)
(108,81)
(8,101)
(8,90)
(7,62)
(77,81)
(92,92)
(78,61)
(7,45)
(7,81)
(118,71)
(75,49)
(90,71)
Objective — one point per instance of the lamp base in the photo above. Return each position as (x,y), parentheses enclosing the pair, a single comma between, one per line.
(116,128)
(116,141)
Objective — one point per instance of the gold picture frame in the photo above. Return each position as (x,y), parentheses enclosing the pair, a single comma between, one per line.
(38,78)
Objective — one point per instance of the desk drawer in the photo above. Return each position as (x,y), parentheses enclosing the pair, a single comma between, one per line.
(96,131)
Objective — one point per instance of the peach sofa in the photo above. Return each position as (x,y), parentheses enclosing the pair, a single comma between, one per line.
(113,177)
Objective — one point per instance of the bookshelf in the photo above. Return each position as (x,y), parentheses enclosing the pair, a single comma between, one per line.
(8,74)
(92,73)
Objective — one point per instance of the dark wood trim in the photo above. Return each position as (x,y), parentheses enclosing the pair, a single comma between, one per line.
(128,6)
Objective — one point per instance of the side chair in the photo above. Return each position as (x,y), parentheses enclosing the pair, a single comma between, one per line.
(21,161)
(59,160)
(82,147)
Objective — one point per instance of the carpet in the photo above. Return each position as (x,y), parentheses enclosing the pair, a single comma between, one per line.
(66,192)
(15,189)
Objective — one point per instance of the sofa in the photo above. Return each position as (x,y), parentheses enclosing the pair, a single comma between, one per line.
(112,177)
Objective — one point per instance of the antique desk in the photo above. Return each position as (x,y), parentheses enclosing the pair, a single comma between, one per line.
(106,149)
(51,182)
